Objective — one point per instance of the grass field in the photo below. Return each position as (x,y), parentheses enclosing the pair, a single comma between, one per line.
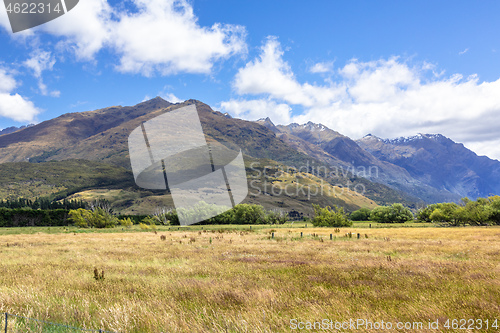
(233,279)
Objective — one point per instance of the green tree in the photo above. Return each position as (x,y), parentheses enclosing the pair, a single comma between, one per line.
(249,214)
(380,214)
(400,213)
(478,212)
(397,213)
(424,214)
(328,217)
(362,214)
(199,211)
(448,212)
(494,203)
(276,216)
(98,218)
(127,222)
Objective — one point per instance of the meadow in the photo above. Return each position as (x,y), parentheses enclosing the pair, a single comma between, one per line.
(237,279)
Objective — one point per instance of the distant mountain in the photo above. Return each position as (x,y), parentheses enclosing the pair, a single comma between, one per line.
(439,162)
(347,157)
(102,136)
(13,129)
(80,135)
(423,168)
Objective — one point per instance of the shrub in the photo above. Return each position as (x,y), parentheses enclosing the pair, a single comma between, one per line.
(249,214)
(127,222)
(396,213)
(424,214)
(144,226)
(276,216)
(328,217)
(165,216)
(362,214)
(479,212)
(99,218)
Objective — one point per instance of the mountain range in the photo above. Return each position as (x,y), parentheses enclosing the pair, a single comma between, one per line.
(416,170)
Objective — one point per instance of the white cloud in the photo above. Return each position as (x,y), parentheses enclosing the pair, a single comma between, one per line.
(14,106)
(172,98)
(270,74)
(161,36)
(322,67)
(85,29)
(41,61)
(464,51)
(165,36)
(388,98)
(7,81)
(256,109)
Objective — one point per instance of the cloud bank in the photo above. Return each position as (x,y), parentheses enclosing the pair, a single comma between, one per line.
(13,105)
(153,37)
(146,37)
(388,98)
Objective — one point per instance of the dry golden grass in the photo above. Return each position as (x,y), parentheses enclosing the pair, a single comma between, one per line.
(240,281)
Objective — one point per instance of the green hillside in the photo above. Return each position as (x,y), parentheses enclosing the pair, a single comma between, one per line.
(58,179)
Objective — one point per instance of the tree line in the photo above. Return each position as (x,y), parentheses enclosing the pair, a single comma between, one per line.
(480,212)
(483,211)
(101,217)
(98,214)
(43,203)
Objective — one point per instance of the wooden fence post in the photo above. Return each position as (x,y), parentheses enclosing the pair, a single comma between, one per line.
(6,319)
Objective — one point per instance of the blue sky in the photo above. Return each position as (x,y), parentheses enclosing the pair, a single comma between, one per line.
(390,68)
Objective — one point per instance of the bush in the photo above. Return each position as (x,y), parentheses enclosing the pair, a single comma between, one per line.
(98,218)
(240,214)
(480,212)
(328,217)
(445,213)
(249,214)
(424,214)
(276,216)
(144,226)
(362,214)
(201,210)
(396,213)
(127,222)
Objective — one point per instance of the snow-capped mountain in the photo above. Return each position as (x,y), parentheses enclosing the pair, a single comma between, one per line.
(439,162)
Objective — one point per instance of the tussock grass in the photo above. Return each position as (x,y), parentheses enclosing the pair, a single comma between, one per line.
(234,280)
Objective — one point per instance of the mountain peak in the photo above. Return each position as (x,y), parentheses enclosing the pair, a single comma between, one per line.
(370,136)
(154,104)
(267,122)
(309,126)
(418,137)
(13,129)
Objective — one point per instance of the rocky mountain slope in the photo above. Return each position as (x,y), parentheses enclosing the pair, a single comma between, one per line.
(102,135)
(429,168)
(439,162)
(346,157)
